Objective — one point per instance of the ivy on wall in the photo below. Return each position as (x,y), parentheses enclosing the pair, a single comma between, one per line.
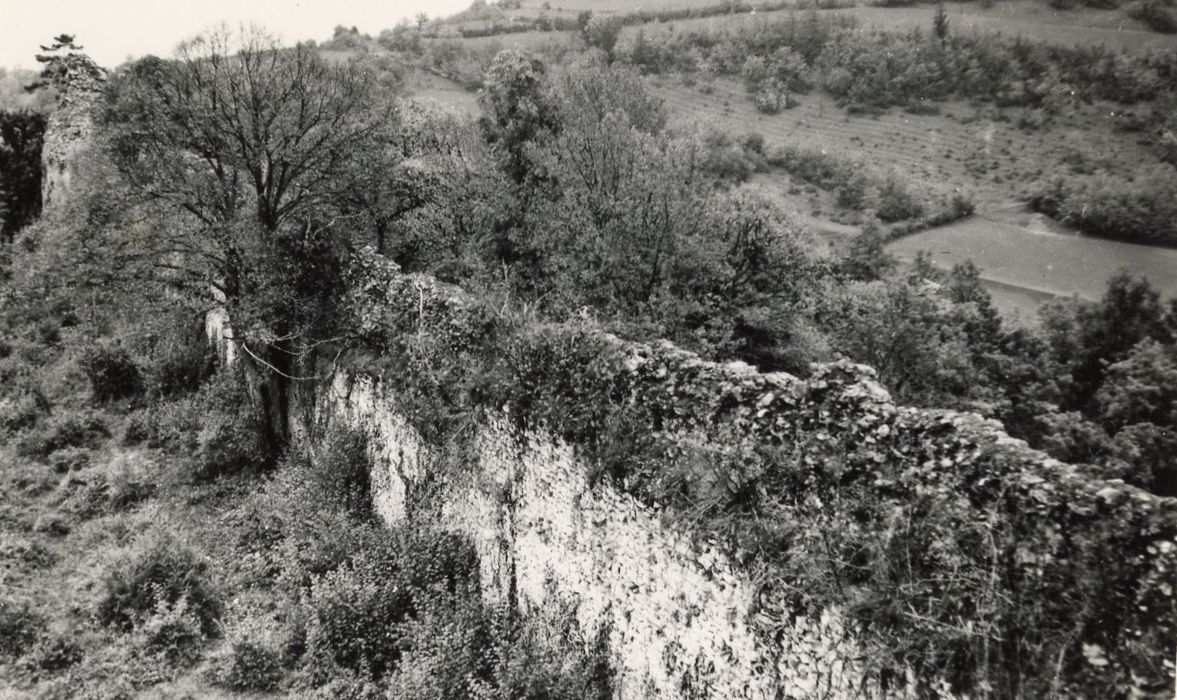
(958,555)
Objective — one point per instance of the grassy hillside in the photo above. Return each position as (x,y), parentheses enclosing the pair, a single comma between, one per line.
(994,155)
(1029,19)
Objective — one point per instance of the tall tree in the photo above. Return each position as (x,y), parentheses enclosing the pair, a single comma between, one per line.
(518,109)
(21,137)
(62,61)
(255,145)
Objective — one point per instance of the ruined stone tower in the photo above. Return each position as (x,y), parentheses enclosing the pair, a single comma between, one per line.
(79,85)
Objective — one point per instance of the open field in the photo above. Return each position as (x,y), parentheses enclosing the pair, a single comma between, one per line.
(532,41)
(1014,250)
(430,87)
(1034,21)
(612,6)
(1029,19)
(977,151)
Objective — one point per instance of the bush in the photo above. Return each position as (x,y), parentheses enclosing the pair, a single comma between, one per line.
(315,542)
(55,653)
(546,655)
(112,373)
(22,411)
(1143,211)
(30,553)
(448,651)
(156,571)
(339,472)
(139,428)
(119,485)
(725,159)
(457,649)
(216,426)
(961,207)
(180,361)
(356,613)
(921,106)
(247,667)
(49,332)
(173,632)
(20,627)
(851,194)
(753,142)
(895,203)
(70,459)
(1159,16)
(79,429)
(230,443)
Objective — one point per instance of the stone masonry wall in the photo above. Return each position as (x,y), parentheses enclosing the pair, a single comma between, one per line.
(684,621)
(677,618)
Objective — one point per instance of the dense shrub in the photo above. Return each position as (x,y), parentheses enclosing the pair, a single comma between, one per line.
(338,472)
(895,203)
(356,613)
(247,666)
(19,551)
(545,654)
(22,135)
(880,69)
(112,373)
(173,631)
(55,653)
(49,332)
(63,430)
(230,443)
(139,428)
(724,158)
(817,167)
(456,649)
(121,483)
(159,574)
(70,459)
(179,360)
(20,626)
(22,411)
(1159,15)
(1143,211)
(447,650)
(216,427)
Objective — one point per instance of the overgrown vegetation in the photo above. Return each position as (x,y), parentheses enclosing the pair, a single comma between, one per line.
(224,577)
(569,211)
(868,518)
(21,136)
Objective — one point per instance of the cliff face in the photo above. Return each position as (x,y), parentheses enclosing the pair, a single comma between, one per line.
(69,130)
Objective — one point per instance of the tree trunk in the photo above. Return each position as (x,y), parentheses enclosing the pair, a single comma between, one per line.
(269,373)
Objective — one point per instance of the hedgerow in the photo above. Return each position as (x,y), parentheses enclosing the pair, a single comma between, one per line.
(1141,211)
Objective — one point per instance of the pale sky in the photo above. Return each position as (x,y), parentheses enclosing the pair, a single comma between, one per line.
(112,30)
